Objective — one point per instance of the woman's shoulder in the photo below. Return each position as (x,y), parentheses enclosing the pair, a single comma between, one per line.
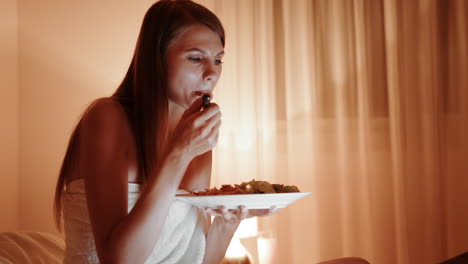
(105,117)
(104,109)
(105,105)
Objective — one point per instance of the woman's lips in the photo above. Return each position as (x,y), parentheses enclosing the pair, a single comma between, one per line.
(201,93)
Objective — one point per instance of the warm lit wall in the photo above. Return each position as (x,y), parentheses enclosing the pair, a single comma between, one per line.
(9,111)
(70,52)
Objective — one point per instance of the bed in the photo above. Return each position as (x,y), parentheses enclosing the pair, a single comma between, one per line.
(27,247)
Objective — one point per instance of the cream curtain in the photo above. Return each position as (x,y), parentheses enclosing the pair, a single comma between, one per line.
(363,103)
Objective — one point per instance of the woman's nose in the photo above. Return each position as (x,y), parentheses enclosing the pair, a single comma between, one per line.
(210,73)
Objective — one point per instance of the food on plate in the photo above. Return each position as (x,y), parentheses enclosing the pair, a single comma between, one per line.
(251,187)
(280,188)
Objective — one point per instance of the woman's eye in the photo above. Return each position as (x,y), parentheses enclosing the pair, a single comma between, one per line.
(195,59)
(218,62)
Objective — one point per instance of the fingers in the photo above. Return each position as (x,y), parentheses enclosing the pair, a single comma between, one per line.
(262,212)
(212,212)
(222,211)
(226,214)
(204,116)
(273,210)
(211,129)
(214,134)
(194,108)
(243,212)
(229,215)
(212,123)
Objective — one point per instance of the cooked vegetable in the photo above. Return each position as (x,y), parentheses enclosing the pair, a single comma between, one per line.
(251,187)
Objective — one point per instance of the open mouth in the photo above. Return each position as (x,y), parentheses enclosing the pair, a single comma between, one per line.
(203,92)
(206,95)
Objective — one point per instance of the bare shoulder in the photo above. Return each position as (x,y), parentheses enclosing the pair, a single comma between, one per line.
(105,118)
(105,142)
(104,110)
(105,130)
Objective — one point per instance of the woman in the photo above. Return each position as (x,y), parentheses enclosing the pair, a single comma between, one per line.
(132,152)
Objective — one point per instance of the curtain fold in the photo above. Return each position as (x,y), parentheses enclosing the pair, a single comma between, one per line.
(363,103)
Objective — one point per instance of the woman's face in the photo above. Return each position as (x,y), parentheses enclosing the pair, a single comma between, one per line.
(194,64)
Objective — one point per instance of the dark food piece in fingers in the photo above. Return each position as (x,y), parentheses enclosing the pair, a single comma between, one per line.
(206,100)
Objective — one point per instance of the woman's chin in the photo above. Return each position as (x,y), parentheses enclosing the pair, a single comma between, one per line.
(180,106)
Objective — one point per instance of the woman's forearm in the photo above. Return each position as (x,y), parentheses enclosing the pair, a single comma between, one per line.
(218,238)
(134,238)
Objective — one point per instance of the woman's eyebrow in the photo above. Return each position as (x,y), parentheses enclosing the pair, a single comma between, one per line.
(202,51)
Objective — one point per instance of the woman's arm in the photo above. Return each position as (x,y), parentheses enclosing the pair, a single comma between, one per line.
(218,237)
(129,238)
(220,234)
(198,174)
(223,228)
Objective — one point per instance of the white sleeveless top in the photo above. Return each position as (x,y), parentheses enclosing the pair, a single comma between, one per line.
(182,237)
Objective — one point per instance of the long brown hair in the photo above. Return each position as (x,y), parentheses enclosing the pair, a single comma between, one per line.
(143,91)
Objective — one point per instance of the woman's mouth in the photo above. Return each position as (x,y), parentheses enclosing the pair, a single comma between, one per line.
(201,93)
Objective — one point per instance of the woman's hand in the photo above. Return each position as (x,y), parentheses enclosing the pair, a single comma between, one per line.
(223,228)
(197,131)
(235,216)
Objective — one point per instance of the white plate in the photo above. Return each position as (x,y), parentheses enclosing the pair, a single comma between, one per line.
(251,201)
